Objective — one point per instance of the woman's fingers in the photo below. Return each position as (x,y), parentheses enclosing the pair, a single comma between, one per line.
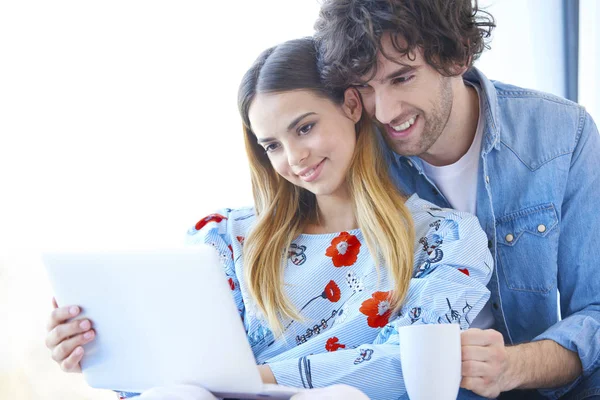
(65,330)
(64,349)
(71,363)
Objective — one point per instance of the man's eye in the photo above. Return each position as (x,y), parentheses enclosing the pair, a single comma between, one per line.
(362,86)
(303,130)
(271,147)
(402,79)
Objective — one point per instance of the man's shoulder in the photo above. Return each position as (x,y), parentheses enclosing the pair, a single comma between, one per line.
(510,92)
(537,125)
(536,107)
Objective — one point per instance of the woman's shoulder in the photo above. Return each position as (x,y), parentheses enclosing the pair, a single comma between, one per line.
(226,221)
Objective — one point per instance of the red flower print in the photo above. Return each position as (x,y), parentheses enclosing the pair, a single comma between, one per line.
(333,345)
(231,284)
(240,239)
(344,250)
(210,218)
(377,309)
(332,292)
(464,271)
(231,249)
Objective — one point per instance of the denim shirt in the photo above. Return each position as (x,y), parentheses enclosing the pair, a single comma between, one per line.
(538,184)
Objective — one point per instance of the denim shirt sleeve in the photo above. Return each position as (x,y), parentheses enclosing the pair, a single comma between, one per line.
(579,257)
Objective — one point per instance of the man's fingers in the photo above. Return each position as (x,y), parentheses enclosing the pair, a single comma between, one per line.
(65,331)
(71,363)
(475,353)
(478,337)
(54,303)
(471,382)
(479,385)
(476,369)
(495,355)
(60,315)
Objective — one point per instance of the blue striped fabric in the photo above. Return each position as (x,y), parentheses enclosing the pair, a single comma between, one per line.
(347,334)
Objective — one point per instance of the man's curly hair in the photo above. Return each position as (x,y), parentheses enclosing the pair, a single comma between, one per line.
(450,33)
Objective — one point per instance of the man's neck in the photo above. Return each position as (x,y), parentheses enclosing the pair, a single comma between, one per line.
(460,130)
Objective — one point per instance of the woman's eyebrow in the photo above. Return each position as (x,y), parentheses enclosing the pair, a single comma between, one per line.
(298,119)
(290,126)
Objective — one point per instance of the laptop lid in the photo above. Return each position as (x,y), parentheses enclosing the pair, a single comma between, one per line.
(161,318)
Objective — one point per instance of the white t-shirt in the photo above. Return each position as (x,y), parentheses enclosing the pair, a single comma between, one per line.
(458,183)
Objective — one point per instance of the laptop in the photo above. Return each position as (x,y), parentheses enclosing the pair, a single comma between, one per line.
(161,318)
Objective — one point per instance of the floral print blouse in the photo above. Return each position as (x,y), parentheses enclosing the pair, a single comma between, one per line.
(348,333)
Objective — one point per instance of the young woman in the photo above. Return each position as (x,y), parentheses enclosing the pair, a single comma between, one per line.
(331,259)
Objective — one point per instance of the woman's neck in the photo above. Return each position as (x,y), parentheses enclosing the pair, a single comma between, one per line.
(335,213)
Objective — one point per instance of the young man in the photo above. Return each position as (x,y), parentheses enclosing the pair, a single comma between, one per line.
(526,163)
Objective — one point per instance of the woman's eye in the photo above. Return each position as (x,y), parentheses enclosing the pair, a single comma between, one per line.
(271,147)
(305,129)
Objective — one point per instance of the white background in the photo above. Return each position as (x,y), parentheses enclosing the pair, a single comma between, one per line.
(119,128)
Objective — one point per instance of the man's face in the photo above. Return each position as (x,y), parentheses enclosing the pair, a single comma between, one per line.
(409,98)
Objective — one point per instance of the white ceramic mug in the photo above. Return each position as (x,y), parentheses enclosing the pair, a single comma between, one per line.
(431,361)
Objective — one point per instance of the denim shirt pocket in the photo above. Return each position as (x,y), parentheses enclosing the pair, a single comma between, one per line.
(528,247)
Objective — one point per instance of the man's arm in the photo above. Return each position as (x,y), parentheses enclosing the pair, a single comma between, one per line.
(571,348)
(543,364)
(489,367)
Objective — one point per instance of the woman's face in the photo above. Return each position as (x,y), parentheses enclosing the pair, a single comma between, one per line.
(309,139)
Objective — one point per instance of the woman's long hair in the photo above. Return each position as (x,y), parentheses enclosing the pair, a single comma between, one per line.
(283,209)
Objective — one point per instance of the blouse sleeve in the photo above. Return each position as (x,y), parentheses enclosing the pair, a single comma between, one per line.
(216,231)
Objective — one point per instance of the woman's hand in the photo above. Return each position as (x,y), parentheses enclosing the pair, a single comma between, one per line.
(66,336)
(266,374)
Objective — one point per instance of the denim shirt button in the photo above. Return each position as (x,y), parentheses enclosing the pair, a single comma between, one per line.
(509,238)
(490,244)
(541,228)
(410,164)
(495,305)
(487,179)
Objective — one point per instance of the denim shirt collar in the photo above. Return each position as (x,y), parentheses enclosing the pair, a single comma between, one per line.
(491,139)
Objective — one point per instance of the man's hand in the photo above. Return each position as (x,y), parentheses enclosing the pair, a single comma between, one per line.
(489,367)
(485,362)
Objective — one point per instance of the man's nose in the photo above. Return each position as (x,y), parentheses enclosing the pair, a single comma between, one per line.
(386,107)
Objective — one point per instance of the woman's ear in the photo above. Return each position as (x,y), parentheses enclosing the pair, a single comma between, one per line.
(352,105)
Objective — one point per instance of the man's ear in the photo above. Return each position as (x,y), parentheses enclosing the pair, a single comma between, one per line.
(352,105)
(460,69)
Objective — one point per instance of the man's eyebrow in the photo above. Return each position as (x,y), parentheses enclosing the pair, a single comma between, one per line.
(403,69)
(289,128)
(398,72)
